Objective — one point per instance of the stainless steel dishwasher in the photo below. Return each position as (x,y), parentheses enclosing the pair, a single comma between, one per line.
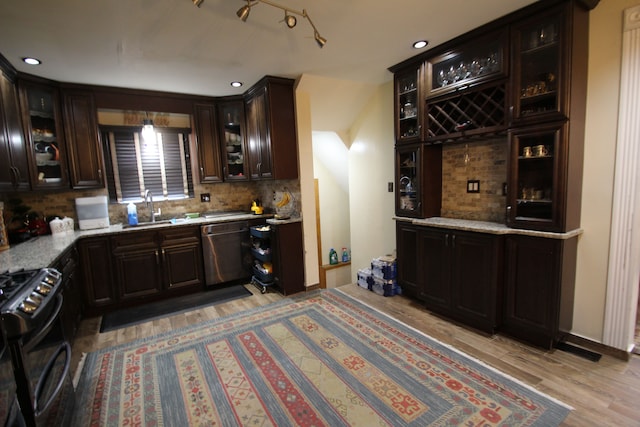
(227,252)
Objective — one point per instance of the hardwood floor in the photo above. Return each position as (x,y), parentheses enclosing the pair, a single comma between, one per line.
(603,393)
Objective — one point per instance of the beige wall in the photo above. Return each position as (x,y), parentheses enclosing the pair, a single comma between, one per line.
(371,160)
(605,41)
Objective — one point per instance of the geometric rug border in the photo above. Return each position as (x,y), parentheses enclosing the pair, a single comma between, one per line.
(461,353)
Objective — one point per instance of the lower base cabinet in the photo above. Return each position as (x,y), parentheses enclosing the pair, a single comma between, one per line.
(454,273)
(520,285)
(96,273)
(72,309)
(539,289)
(139,266)
(288,257)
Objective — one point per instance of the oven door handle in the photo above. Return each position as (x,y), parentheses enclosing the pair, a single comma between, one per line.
(45,374)
(47,327)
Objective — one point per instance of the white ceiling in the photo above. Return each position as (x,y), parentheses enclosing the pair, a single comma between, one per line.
(171,45)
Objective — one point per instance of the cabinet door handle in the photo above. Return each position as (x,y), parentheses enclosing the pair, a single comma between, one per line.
(453,240)
(446,240)
(157,258)
(201,172)
(100,174)
(14,178)
(164,255)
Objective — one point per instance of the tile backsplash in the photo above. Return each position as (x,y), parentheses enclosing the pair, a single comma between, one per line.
(236,196)
(485,161)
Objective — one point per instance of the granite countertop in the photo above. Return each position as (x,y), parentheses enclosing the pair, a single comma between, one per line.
(43,251)
(486,227)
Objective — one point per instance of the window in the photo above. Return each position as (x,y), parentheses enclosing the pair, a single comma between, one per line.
(133,166)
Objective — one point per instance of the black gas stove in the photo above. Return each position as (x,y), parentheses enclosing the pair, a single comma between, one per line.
(27,297)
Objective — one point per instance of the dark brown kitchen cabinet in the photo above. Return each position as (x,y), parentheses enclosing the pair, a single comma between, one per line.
(545,178)
(72,309)
(44,131)
(14,169)
(454,273)
(86,164)
(408,265)
(96,273)
(479,60)
(232,135)
(418,170)
(149,263)
(137,265)
(288,257)
(408,103)
(207,144)
(181,251)
(271,129)
(549,64)
(539,288)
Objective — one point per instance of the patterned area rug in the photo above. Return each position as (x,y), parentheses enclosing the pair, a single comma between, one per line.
(319,359)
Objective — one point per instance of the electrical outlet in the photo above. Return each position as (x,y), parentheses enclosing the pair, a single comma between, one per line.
(390,187)
(473,186)
(205,197)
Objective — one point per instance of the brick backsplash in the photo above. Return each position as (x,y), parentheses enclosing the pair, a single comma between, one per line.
(236,196)
(487,162)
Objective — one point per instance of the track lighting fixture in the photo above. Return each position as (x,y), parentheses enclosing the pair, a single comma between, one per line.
(289,19)
(243,12)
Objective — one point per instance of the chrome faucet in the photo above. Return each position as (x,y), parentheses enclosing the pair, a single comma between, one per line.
(148,199)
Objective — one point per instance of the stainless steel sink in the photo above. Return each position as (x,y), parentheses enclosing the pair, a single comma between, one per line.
(148,224)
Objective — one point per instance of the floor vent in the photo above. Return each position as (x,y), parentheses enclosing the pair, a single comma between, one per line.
(579,351)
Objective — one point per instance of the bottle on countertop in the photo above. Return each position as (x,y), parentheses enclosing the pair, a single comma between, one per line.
(132,214)
(333,257)
(345,255)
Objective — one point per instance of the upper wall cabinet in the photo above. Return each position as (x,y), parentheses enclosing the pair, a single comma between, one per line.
(232,135)
(472,63)
(549,65)
(86,164)
(466,90)
(408,101)
(14,169)
(271,129)
(207,143)
(45,135)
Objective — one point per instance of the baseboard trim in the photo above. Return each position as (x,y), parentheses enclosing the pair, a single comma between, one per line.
(598,347)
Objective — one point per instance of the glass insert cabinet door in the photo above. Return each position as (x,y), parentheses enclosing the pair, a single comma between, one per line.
(408,124)
(408,181)
(231,115)
(45,137)
(536,185)
(538,71)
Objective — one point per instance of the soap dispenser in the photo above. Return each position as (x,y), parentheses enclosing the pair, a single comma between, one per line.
(132,214)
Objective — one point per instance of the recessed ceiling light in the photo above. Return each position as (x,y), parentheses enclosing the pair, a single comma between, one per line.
(420,44)
(236,84)
(31,61)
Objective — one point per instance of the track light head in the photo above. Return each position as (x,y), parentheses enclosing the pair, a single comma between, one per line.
(290,20)
(198,2)
(319,39)
(243,12)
